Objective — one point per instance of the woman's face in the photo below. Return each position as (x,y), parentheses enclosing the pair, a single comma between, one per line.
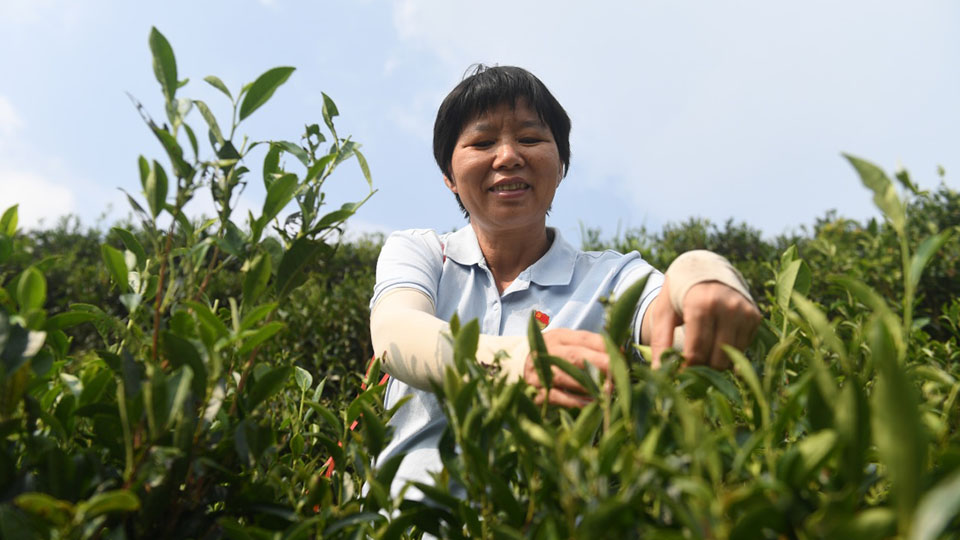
(505,167)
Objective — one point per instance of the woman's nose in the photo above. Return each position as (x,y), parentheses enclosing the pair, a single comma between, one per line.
(508,156)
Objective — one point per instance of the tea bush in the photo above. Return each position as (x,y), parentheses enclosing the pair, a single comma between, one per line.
(184,379)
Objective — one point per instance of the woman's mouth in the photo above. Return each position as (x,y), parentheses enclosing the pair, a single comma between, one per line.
(513,186)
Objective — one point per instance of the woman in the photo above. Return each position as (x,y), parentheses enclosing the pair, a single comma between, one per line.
(502,142)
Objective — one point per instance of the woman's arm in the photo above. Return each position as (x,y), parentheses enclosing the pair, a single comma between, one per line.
(703,292)
(415,344)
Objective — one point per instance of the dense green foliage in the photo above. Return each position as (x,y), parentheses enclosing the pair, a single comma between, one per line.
(170,378)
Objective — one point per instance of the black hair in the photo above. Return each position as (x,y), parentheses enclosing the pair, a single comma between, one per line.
(486,88)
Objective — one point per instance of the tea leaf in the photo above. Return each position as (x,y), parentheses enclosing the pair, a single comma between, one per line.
(924,253)
(938,507)
(884,194)
(256,277)
(164,64)
(896,426)
(155,189)
(624,311)
(215,82)
(8,222)
(253,338)
(796,276)
(182,352)
(116,265)
(31,290)
(292,271)
(210,119)
(621,377)
(279,194)
(47,507)
(263,88)
(267,385)
(131,242)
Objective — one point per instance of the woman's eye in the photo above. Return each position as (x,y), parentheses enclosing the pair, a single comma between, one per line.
(530,140)
(482,144)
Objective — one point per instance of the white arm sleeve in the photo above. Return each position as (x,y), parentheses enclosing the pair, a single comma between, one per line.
(415,344)
(699,266)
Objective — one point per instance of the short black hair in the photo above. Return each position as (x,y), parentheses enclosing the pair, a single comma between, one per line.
(486,88)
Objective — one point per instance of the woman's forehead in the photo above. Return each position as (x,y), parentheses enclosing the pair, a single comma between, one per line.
(518,112)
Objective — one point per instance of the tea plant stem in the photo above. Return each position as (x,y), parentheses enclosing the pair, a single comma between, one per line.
(907,285)
(159,298)
(246,372)
(127,438)
(206,278)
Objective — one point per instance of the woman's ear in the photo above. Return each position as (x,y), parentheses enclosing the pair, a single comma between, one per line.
(450,184)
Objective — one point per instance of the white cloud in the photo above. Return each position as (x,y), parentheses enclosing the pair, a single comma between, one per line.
(41,200)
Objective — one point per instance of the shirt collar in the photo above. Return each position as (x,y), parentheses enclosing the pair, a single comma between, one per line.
(554,268)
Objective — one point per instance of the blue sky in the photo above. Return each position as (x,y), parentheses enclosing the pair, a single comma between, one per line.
(735,109)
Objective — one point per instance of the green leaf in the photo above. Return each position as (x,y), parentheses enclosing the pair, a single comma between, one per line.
(870,524)
(624,311)
(795,276)
(938,507)
(329,112)
(210,119)
(345,212)
(824,330)
(928,248)
(116,265)
(745,370)
(6,250)
(296,150)
(131,242)
(813,450)
(897,426)
(31,290)
(253,338)
(118,500)
(255,278)
(215,82)
(364,167)
(621,376)
(303,377)
(267,385)
(68,319)
(155,189)
(208,319)
(46,507)
(8,222)
(164,63)
(465,345)
(538,350)
(718,379)
(279,194)
(256,314)
(263,88)
(301,255)
(884,194)
(182,352)
(271,165)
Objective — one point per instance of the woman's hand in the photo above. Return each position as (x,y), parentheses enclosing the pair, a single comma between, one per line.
(577,347)
(713,315)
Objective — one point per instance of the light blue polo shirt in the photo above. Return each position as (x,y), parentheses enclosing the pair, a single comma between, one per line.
(565,284)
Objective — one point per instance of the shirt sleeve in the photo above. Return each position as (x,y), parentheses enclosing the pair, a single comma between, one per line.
(411,259)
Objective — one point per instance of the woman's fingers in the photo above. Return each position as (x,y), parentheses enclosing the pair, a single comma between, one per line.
(716,315)
(664,320)
(562,398)
(726,335)
(700,327)
(578,347)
